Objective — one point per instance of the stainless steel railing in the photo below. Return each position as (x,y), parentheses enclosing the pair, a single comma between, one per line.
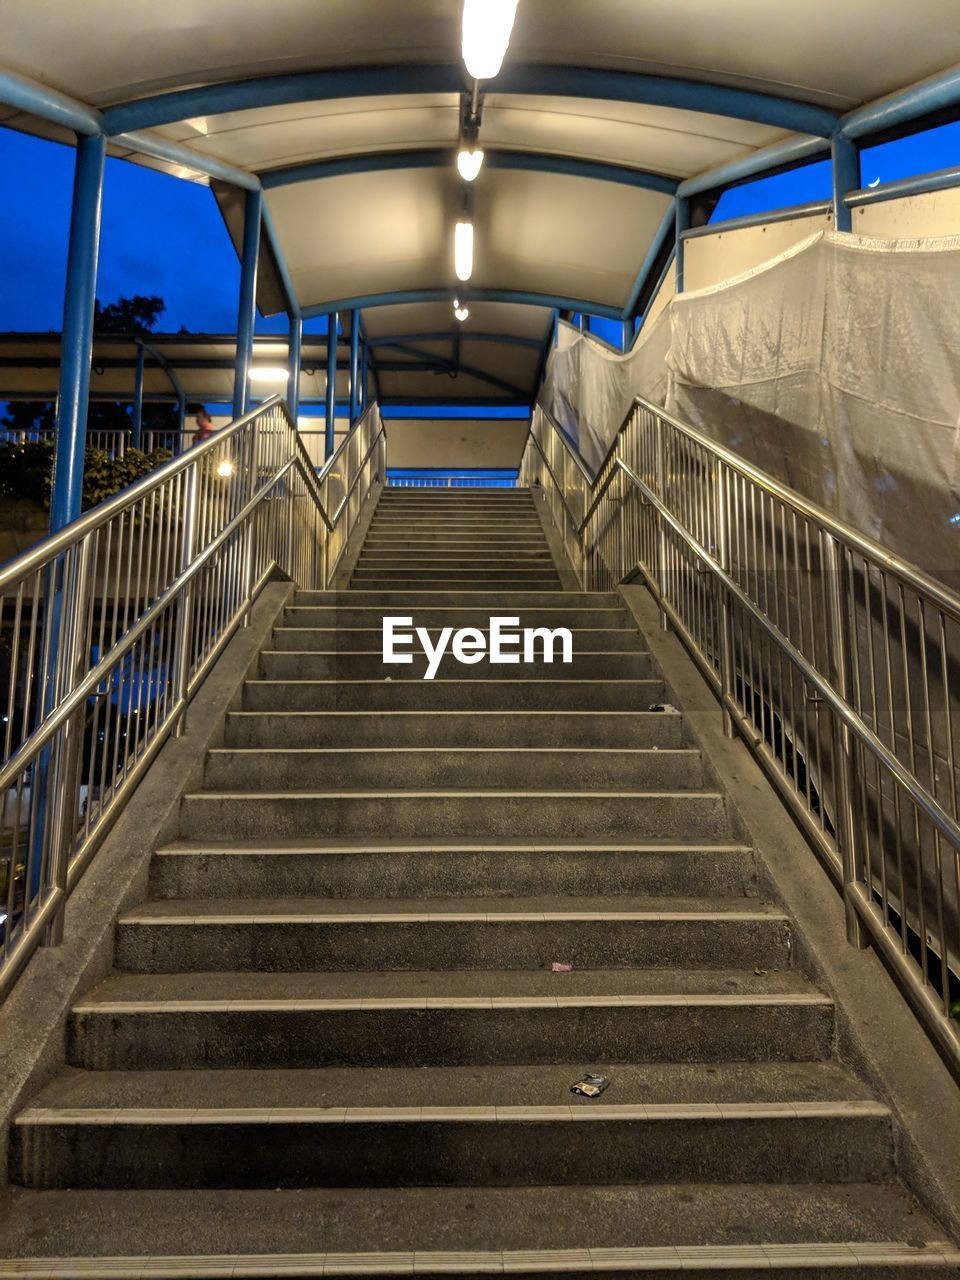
(838,663)
(109,627)
(450,480)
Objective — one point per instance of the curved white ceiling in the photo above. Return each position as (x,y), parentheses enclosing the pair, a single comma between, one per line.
(570,237)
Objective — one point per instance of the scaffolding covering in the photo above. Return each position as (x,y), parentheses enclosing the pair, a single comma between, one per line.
(835,367)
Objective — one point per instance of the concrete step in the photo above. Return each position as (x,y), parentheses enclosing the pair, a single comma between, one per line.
(811,1231)
(456,582)
(287,664)
(490,543)
(447,812)
(455,575)
(585,729)
(385,869)
(351,935)
(467,525)
(412,600)
(209,1020)
(560,694)
(434,617)
(475,558)
(369,639)
(405,768)
(237,1129)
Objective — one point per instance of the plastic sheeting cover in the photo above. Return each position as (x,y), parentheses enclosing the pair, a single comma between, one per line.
(835,367)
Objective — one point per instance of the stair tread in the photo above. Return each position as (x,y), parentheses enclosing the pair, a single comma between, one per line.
(333,846)
(153,1225)
(647,1084)
(680,986)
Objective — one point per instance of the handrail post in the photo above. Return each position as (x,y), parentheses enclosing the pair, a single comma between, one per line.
(727,676)
(63,792)
(185,610)
(840,640)
(661,537)
(248,542)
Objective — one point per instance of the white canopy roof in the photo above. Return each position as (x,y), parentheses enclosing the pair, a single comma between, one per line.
(602,105)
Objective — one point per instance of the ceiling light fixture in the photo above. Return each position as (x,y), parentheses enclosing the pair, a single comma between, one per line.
(268,373)
(461,313)
(487,25)
(463,250)
(469,161)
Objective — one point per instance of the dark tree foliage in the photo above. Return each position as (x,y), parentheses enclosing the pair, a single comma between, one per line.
(136,315)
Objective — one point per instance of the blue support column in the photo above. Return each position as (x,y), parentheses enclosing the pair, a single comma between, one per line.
(294,345)
(331,382)
(364,374)
(77,343)
(683,224)
(247,311)
(846,178)
(354,366)
(136,437)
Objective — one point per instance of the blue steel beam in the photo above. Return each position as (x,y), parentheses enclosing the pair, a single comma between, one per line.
(779,156)
(445,157)
(405,296)
(846,178)
(247,307)
(940,180)
(354,366)
(819,208)
(517,78)
(136,435)
(40,100)
(665,232)
(467,335)
(294,347)
(682,207)
(938,93)
(331,387)
(79,301)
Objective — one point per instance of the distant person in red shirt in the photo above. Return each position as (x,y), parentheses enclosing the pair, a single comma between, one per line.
(204,429)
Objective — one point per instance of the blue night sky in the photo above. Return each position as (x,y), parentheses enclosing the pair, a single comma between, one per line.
(154,224)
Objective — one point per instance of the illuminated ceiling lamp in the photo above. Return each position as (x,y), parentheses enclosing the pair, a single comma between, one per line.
(469,160)
(460,311)
(487,25)
(463,249)
(271,374)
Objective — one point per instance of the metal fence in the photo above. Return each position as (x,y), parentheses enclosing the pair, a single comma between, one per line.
(109,627)
(450,480)
(838,663)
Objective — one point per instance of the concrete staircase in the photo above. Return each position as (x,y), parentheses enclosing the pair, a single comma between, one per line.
(334,1045)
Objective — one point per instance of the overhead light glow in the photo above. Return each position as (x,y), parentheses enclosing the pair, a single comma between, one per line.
(461,313)
(225,469)
(486,33)
(469,162)
(463,250)
(268,373)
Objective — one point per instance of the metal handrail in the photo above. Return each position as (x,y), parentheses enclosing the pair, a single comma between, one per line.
(114,621)
(831,656)
(853,538)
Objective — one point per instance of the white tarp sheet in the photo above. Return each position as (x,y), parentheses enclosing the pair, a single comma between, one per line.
(835,367)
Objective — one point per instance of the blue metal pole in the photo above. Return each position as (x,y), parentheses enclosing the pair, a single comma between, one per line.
(331,382)
(846,178)
(247,311)
(294,346)
(354,366)
(136,438)
(364,362)
(683,224)
(77,342)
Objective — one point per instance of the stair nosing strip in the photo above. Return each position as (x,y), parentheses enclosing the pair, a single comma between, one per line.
(371,1004)
(842,1255)
(605,1112)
